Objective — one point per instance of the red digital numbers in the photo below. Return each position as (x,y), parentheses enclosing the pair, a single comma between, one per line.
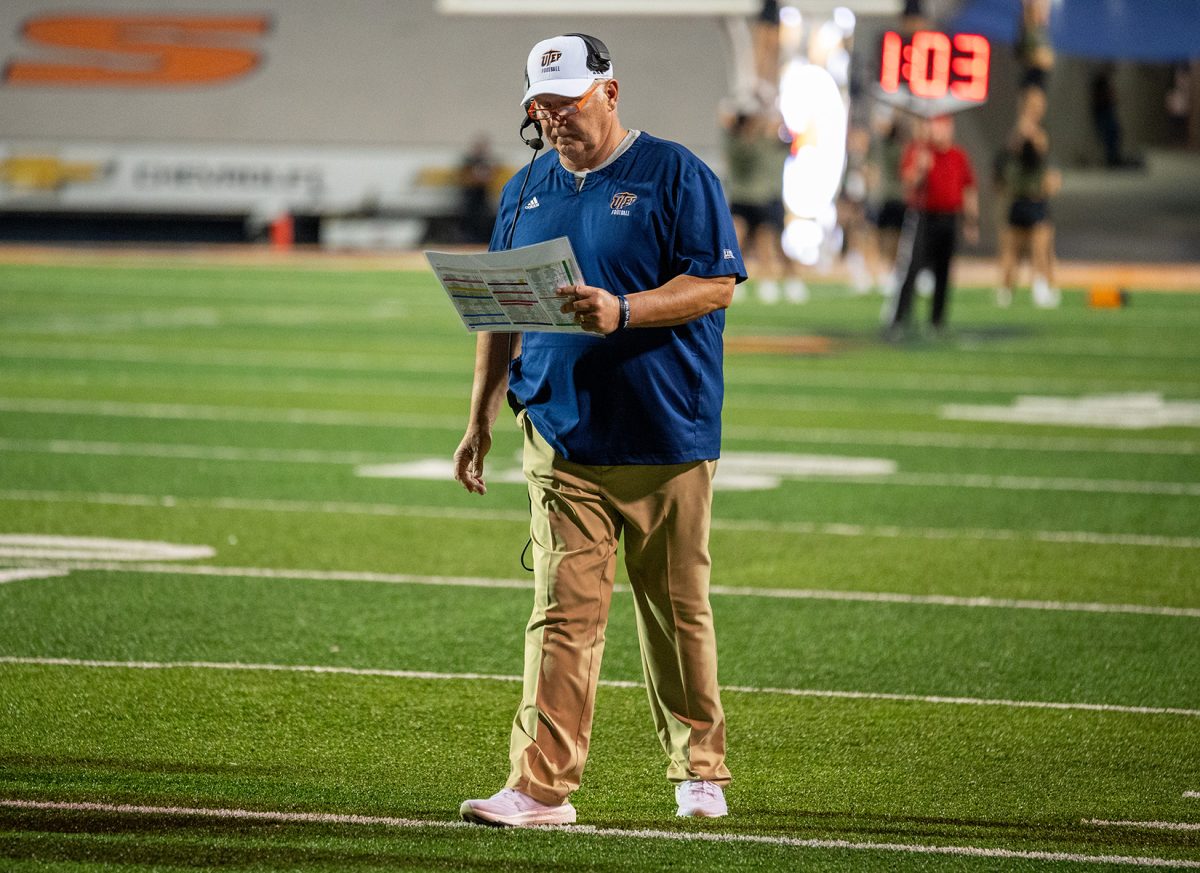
(889,69)
(971,67)
(933,65)
(929,70)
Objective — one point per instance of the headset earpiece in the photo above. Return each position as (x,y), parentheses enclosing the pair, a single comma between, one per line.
(599,60)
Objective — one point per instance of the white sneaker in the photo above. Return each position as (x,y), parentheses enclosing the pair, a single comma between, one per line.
(886,284)
(925,283)
(1004,296)
(700,800)
(1045,297)
(515,809)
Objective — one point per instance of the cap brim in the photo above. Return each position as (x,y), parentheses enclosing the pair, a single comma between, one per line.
(558,87)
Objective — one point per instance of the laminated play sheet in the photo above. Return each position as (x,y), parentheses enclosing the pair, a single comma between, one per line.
(514,290)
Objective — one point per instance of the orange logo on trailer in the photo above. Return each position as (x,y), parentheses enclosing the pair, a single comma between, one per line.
(140,51)
(550,57)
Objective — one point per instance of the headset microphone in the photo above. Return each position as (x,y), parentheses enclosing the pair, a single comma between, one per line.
(535,142)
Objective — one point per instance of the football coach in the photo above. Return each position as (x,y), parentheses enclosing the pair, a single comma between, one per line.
(622,430)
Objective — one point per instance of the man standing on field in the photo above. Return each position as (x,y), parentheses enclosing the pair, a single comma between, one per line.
(622,432)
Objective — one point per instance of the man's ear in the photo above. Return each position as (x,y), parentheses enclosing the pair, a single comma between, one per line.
(611,90)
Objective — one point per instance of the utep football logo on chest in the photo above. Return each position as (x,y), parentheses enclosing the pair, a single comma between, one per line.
(621,202)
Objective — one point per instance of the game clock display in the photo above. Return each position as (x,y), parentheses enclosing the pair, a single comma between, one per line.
(931,73)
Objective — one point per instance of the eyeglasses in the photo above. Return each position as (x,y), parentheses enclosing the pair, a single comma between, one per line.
(537,113)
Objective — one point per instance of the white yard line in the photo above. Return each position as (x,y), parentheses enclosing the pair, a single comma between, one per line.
(607,683)
(959,383)
(949,440)
(1027,483)
(999,534)
(1193,795)
(315,456)
(31,573)
(390,510)
(1146,825)
(351,418)
(192,452)
(743,374)
(284,359)
(603,832)
(247,414)
(173,569)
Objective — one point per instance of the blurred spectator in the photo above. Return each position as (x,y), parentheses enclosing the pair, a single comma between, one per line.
(476,178)
(913,18)
(885,196)
(1105,119)
(1035,53)
(1179,104)
(852,208)
(754,159)
(1027,182)
(939,183)
(766,49)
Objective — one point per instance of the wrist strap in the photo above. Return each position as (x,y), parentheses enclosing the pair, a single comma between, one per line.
(624,304)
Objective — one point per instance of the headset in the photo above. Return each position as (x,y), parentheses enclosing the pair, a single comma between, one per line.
(598,58)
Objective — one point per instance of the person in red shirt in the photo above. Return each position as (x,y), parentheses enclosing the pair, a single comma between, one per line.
(939,184)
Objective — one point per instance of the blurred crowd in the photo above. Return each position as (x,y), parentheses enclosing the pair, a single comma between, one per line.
(909,192)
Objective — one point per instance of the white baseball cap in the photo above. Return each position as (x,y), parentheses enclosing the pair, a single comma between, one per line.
(565,66)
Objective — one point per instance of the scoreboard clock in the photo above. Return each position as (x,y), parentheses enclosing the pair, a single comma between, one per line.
(933,73)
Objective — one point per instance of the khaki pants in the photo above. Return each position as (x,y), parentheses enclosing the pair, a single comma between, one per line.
(578,514)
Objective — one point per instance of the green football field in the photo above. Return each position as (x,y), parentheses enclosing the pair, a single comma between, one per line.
(247,622)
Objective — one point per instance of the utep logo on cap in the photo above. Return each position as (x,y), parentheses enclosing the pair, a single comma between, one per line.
(550,57)
(621,202)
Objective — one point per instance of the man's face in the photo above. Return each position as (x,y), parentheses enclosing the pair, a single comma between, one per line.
(941,131)
(578,134)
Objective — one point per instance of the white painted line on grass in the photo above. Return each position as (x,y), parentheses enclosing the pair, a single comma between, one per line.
(247,414)
(744,374)
(1194,795)
(1000,534)
(959,383)
(1029,483)
(23,575)
(259,359)
(527,584)
(66,548)
(352,418)
(1146,825)
(1132,411)
(590,831)
(326,507)
(391,510)
(946,600)
(313,456)
(192,453)
(607,683)
(949,440)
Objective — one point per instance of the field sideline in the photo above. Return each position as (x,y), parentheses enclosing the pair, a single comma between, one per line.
(249,623)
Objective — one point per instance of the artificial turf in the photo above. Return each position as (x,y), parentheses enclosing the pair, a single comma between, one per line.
(230,407)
